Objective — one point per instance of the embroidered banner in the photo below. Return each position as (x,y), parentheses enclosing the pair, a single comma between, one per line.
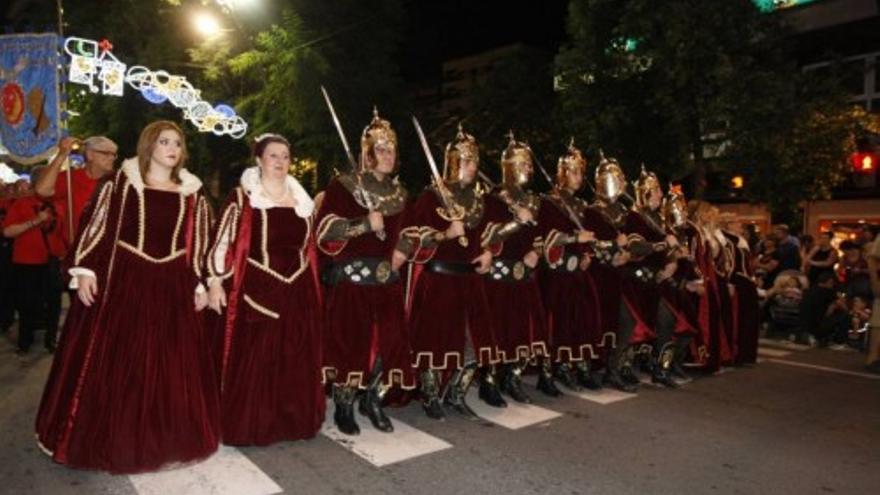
(29,83)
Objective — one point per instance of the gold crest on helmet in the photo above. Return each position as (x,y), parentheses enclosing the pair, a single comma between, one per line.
(516,163)
(572,160)
(610,179)
(378,133)
(463,147)
(675,207)
(644,186)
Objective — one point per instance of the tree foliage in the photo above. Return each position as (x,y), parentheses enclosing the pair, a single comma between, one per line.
(696,89)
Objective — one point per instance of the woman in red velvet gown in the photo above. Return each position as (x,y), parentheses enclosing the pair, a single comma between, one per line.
(262,274)
(710,347)
(132,387)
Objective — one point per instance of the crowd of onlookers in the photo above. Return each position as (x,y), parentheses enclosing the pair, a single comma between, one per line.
(816,290)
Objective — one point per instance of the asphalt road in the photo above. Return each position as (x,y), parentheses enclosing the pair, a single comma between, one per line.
(799,422)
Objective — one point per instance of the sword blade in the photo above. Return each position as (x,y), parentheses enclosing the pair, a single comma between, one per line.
(351,160)
(427,149)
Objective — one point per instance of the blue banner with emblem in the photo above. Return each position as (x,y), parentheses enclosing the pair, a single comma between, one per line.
(29,82)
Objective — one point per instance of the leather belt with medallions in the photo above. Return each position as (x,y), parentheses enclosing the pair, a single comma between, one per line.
(569,263)
(642,273)
(450,267)
(360,271)
(509,271)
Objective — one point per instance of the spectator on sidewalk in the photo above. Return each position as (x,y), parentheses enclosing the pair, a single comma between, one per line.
(37,246)
(787,247)
(854,273)
(824,314)
(872,359)
(7,292)
(821,258)
(100,153)
(767,264)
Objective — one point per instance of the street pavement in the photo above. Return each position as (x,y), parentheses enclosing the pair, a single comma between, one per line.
(801,421)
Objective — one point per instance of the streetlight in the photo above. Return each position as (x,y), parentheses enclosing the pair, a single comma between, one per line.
(206,24)
(231,5)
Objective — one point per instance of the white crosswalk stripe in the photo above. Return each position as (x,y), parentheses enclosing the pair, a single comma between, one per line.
(604,396)
(768,352)
(785,344)
(381,449)
(512,417)
(227,472)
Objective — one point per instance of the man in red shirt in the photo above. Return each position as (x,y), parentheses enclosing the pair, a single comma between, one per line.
(37,246)
(100,153)
(7,289)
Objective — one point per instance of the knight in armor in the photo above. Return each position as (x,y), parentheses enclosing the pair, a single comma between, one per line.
(671,313)
(628,313)
(511,285)
(687,282)
(570,295)
(366,350)
(449,319)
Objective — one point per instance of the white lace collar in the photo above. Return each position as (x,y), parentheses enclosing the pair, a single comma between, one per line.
(189,183)
(250,182)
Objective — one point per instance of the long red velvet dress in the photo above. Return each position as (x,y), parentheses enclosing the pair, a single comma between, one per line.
(270,340)
(361,321)
(709,347)
(444,307)
(571,301)
(748,310)
(515,302)
(132,386)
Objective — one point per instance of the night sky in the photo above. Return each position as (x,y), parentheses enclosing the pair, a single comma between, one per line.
(442,29)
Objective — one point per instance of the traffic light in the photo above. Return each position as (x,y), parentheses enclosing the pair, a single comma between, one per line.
(864,162)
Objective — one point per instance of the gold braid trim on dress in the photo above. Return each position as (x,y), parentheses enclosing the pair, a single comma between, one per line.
(97,226)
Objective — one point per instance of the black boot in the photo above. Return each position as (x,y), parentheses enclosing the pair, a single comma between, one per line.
(456,390)
(431,395)
(681,353)
(546,384)
(511,383)
(643,361)
(612,372)
(489,392)
(585,378)
(370,403)
(662,364)
(626,366)
(629,376)
(343,416)
(563,374)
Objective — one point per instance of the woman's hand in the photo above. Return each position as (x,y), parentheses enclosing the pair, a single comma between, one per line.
(216,297)
(87,289)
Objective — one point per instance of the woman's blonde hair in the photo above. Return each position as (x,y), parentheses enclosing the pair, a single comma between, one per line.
(147,141)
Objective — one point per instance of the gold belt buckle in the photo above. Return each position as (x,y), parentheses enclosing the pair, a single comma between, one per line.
(383,272)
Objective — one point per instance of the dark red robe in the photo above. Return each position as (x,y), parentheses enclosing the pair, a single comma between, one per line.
(516,306)
(571,299)
(362,322)
(444,308)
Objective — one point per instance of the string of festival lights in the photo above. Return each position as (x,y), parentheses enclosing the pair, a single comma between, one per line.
(93,63)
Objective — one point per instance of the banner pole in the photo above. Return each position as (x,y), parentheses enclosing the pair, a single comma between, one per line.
(62,124)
